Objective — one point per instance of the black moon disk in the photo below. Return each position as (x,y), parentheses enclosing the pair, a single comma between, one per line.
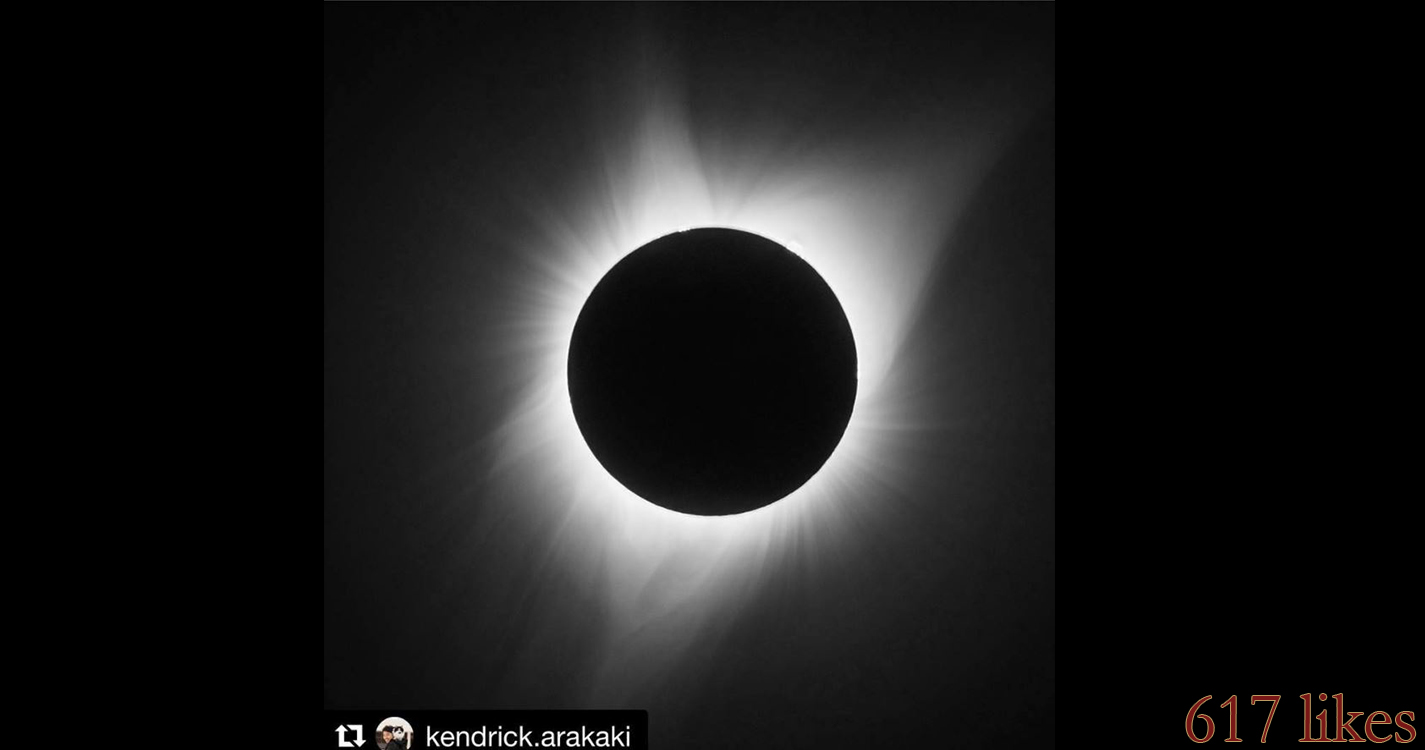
(712,371)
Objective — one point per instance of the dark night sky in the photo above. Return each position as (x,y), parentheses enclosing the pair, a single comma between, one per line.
(440,124)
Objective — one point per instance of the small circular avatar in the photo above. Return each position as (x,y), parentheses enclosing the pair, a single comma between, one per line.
(712,371)
(394,733)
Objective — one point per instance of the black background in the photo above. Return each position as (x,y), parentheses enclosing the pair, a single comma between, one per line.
(1203,551)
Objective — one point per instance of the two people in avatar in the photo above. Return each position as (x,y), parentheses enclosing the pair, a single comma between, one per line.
(390,740)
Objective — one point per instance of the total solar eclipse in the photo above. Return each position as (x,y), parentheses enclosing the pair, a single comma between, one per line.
(712,371)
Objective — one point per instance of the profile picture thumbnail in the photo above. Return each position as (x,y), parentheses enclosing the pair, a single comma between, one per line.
(394,733)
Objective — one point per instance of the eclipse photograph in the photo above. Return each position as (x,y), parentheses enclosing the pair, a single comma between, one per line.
(692,362)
